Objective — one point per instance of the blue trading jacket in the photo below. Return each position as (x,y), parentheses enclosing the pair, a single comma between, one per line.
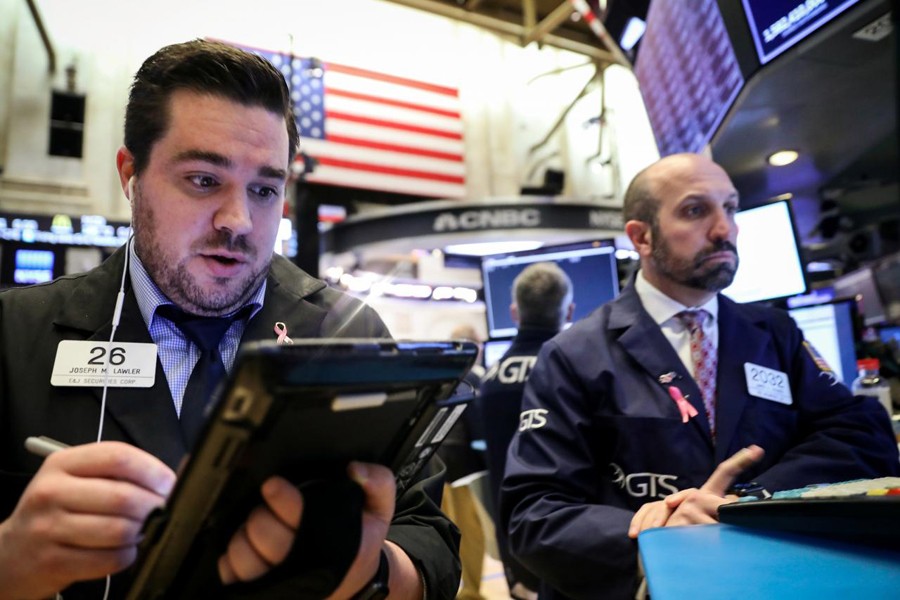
(600,435)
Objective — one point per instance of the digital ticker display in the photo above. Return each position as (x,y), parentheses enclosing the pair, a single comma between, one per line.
(688,73)
(776,25)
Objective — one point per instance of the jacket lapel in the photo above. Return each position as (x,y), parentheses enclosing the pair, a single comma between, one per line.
(285,303)
(643,340)
(146,416)
(741,340)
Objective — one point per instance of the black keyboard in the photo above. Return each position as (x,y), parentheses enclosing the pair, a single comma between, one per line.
(864,511)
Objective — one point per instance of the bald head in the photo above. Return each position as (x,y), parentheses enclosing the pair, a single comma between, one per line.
(642,198)
(679,215)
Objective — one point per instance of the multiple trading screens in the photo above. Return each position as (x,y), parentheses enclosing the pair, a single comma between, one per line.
(32,266)
(26,264)
(689,71)
(771,267)
(590,265)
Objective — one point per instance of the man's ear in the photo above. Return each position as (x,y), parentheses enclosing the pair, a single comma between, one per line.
(125,167)
(640,235)
(514,312)
(570,312)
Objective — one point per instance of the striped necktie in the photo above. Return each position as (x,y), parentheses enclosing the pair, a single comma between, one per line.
(705,360)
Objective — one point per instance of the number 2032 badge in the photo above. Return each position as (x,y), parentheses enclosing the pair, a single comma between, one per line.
(95,364)
(767,383)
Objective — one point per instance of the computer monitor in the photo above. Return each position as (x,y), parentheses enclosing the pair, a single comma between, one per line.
(776,25)
(861,282)
(890,337)
(590,265)
(688,73)
(830,328)
(33,266)
(770,261)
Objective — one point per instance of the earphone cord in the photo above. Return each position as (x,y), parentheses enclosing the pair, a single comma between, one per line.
(117,314)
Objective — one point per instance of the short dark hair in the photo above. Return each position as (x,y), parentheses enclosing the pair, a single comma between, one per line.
(206,67)
(639,203)
(542,293)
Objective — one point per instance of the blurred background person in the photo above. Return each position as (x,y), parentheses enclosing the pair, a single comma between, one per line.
(542,305)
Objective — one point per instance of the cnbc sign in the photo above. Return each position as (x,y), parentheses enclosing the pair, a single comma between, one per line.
(440,219)
(544,216)
(497,218)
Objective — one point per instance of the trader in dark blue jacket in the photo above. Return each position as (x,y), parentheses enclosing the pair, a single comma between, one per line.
(628,413)
(542,304)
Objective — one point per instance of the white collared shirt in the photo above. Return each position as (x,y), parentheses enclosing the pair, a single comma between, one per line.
(663,309)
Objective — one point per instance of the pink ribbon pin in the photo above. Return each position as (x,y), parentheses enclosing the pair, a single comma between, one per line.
(281,330)
(686,408)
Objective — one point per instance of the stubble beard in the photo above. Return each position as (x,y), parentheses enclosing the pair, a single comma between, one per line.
(692,273)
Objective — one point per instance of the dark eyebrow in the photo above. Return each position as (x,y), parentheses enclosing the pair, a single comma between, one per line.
(220,160)
(205,156)
(273,173)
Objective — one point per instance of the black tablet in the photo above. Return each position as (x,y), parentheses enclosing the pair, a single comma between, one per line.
(302,411)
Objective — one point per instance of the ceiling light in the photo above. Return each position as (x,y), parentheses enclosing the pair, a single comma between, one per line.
(634,30)
(783,157)
(485,248)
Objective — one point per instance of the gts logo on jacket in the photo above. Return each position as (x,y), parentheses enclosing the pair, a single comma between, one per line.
(644,485)
(512,369)
(532,419)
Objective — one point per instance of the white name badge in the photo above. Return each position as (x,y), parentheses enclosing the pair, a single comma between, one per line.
(768,384)
(95,364)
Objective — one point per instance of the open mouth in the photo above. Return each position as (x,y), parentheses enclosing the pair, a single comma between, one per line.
(224,260)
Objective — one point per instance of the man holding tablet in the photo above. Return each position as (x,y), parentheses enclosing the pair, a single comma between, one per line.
(209,140)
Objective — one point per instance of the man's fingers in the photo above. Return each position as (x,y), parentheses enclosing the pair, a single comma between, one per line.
(97,496)
(115,460)
(650,515)
(674,500)
(284,500)
(267,536)
(379,484)
(241,561)
(728,471)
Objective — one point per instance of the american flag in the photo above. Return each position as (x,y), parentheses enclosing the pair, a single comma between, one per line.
(376,131)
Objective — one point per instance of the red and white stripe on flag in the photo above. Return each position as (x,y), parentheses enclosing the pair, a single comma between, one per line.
(375,131)
(388,133)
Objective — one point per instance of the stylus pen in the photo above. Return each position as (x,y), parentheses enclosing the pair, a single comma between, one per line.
(43,445)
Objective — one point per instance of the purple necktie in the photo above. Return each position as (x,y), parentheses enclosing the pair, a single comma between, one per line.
(705,360)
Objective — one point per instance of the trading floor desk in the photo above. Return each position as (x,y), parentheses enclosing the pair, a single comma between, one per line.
(724,561)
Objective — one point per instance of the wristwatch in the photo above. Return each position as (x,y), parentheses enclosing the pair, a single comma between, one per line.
(377,588)
(749,490)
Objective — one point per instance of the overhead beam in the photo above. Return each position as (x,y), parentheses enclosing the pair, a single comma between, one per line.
(529,13)
(596,25)
(505,27)
(45,37)
(549,23)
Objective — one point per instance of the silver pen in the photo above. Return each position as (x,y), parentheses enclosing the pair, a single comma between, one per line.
(43,445)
